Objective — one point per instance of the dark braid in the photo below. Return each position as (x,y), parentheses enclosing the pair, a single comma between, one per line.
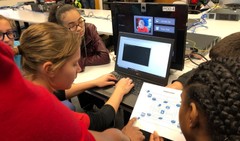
(215,87)
(228,46)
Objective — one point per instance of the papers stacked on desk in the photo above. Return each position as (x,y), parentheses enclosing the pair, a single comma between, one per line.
(157,109)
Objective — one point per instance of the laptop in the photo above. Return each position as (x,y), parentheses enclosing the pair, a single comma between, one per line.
(143,58)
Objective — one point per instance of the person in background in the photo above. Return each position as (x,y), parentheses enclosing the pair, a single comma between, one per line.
(227,47)
(50,55)
(141,26)
(64,1)
(88,4)
(77,4)
(93,50)
(7,35)
(210,102)
(30,112)
(201,4)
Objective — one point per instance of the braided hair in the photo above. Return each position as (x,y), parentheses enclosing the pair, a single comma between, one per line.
(215,88)
(228,46)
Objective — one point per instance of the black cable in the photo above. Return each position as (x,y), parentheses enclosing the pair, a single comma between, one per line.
(189,57)
(201,56)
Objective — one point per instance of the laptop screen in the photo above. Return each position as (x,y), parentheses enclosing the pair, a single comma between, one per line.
(144,55)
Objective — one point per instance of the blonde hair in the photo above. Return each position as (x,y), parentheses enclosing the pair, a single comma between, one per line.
(44,42)
(12,24)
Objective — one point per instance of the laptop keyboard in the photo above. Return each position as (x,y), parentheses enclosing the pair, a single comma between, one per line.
(137,83)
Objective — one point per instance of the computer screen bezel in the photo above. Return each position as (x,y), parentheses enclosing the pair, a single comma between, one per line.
(180,13)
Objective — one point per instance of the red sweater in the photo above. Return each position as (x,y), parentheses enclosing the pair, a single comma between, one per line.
(144,29)
(29,112)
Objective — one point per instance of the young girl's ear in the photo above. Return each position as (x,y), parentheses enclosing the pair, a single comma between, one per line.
(47,69)
(194,115)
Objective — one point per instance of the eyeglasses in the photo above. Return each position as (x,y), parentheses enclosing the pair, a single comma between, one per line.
(10,35)
(80,23)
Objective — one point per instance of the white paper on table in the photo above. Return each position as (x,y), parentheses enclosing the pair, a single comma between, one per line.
(157,109)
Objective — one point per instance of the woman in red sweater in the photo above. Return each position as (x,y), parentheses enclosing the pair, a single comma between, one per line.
(30,112)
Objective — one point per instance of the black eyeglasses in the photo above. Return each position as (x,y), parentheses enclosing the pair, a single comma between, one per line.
(10,35)
(80,23)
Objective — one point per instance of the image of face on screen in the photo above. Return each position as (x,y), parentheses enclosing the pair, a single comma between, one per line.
(142,27)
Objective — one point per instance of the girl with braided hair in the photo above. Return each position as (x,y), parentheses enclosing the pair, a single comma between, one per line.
(210,102)
(229,46)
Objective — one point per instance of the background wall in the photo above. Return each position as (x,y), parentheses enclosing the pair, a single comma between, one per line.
(12,2)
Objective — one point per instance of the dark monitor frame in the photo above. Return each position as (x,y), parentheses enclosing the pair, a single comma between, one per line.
(123,21)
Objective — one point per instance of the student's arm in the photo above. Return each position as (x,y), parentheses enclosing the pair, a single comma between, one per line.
(181,81)
(133,132)
(102,81)
(104,117)
(128,133)
(110,135)
(123,86)
(176,85)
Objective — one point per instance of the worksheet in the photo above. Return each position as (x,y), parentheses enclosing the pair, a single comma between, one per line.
(157,109)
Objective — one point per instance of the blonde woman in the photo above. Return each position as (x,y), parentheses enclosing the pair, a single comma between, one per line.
(31,112)
(50,55)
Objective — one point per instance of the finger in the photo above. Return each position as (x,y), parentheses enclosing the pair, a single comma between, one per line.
(136,128)
(131,122)
(155,134)
(128,78)
(112,79)
(141,136)
(113,76)
(111,83)
(130,81)
(110,76)
(132,84)
(156,137)
(151,137)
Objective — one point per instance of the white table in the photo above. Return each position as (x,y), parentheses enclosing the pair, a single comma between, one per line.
(221,28)
(24,15)
(101,19)
(92,72)
(104,26)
